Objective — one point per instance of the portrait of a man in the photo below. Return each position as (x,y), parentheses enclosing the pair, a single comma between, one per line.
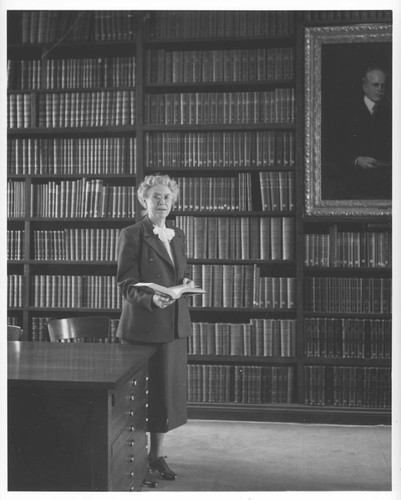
(356,122)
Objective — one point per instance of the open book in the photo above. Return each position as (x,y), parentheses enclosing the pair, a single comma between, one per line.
(174,292)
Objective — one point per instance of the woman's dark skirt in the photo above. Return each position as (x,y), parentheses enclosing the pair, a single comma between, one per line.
(167,384)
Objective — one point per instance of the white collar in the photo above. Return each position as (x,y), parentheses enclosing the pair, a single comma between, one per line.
(369,103)
(165,234)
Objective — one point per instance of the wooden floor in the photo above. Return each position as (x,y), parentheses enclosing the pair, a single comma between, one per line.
(275,457)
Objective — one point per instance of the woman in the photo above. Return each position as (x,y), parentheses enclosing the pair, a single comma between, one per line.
(151,251)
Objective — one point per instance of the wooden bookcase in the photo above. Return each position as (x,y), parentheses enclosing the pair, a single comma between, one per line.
(99,99)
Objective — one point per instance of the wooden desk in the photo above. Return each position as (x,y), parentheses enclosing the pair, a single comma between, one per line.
(76,416)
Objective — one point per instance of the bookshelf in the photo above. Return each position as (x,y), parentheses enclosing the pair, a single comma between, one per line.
(298,308)
(347,314)
(72,161)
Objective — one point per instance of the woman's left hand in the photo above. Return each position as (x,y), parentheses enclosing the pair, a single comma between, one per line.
(188,282)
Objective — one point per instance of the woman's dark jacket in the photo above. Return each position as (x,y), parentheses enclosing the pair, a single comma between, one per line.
(142,257)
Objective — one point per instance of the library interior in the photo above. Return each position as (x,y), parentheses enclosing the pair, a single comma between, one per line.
(289,353)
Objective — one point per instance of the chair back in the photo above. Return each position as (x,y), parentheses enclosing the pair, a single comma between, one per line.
(14,332)
(79,329)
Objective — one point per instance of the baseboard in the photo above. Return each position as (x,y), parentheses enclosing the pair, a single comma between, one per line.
(291,413)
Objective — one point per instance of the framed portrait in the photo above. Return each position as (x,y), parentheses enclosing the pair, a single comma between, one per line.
(348,120)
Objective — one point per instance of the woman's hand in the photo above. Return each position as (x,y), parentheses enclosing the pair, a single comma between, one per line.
(162,301)
(188,282)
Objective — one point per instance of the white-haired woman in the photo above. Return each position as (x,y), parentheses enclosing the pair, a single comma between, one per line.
(152,250)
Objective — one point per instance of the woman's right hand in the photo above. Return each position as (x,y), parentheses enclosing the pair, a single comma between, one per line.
(162,301)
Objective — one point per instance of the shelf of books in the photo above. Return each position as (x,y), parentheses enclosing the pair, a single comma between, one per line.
(71,159)
(219,115)
(347,314)
(296,321)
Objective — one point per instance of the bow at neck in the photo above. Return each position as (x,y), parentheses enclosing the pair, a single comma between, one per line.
(165,234)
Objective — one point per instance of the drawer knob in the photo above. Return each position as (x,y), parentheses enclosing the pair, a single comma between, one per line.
(131,413)
(134,381)
(132,488)
(130,459)
(131,397)
(132,474)
(131,428)
(130,442)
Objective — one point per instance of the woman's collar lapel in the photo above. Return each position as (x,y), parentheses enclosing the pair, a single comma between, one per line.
(152,240)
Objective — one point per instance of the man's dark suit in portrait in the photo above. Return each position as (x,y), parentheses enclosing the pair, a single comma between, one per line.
(362,143)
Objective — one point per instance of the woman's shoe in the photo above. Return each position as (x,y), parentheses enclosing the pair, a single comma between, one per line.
(149,480)
(150,483)
(163,469)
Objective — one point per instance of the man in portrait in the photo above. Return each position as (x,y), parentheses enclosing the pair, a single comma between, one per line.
(361,142)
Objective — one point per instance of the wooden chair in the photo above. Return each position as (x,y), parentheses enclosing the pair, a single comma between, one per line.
(14,332)
(79,329)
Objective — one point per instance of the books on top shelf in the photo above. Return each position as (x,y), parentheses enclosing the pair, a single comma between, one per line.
(344,16)
(174,292)
(47,26)
(219,24)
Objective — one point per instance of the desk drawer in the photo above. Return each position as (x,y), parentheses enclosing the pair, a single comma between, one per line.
(129,400)
(132,389)
(129,432)
(128,466)
(128,416)
(130,392)
(128,450)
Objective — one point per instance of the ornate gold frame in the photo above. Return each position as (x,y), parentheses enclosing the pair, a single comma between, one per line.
(315,37)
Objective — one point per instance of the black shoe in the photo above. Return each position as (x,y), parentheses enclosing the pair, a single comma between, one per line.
(149,481)
(163,469)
